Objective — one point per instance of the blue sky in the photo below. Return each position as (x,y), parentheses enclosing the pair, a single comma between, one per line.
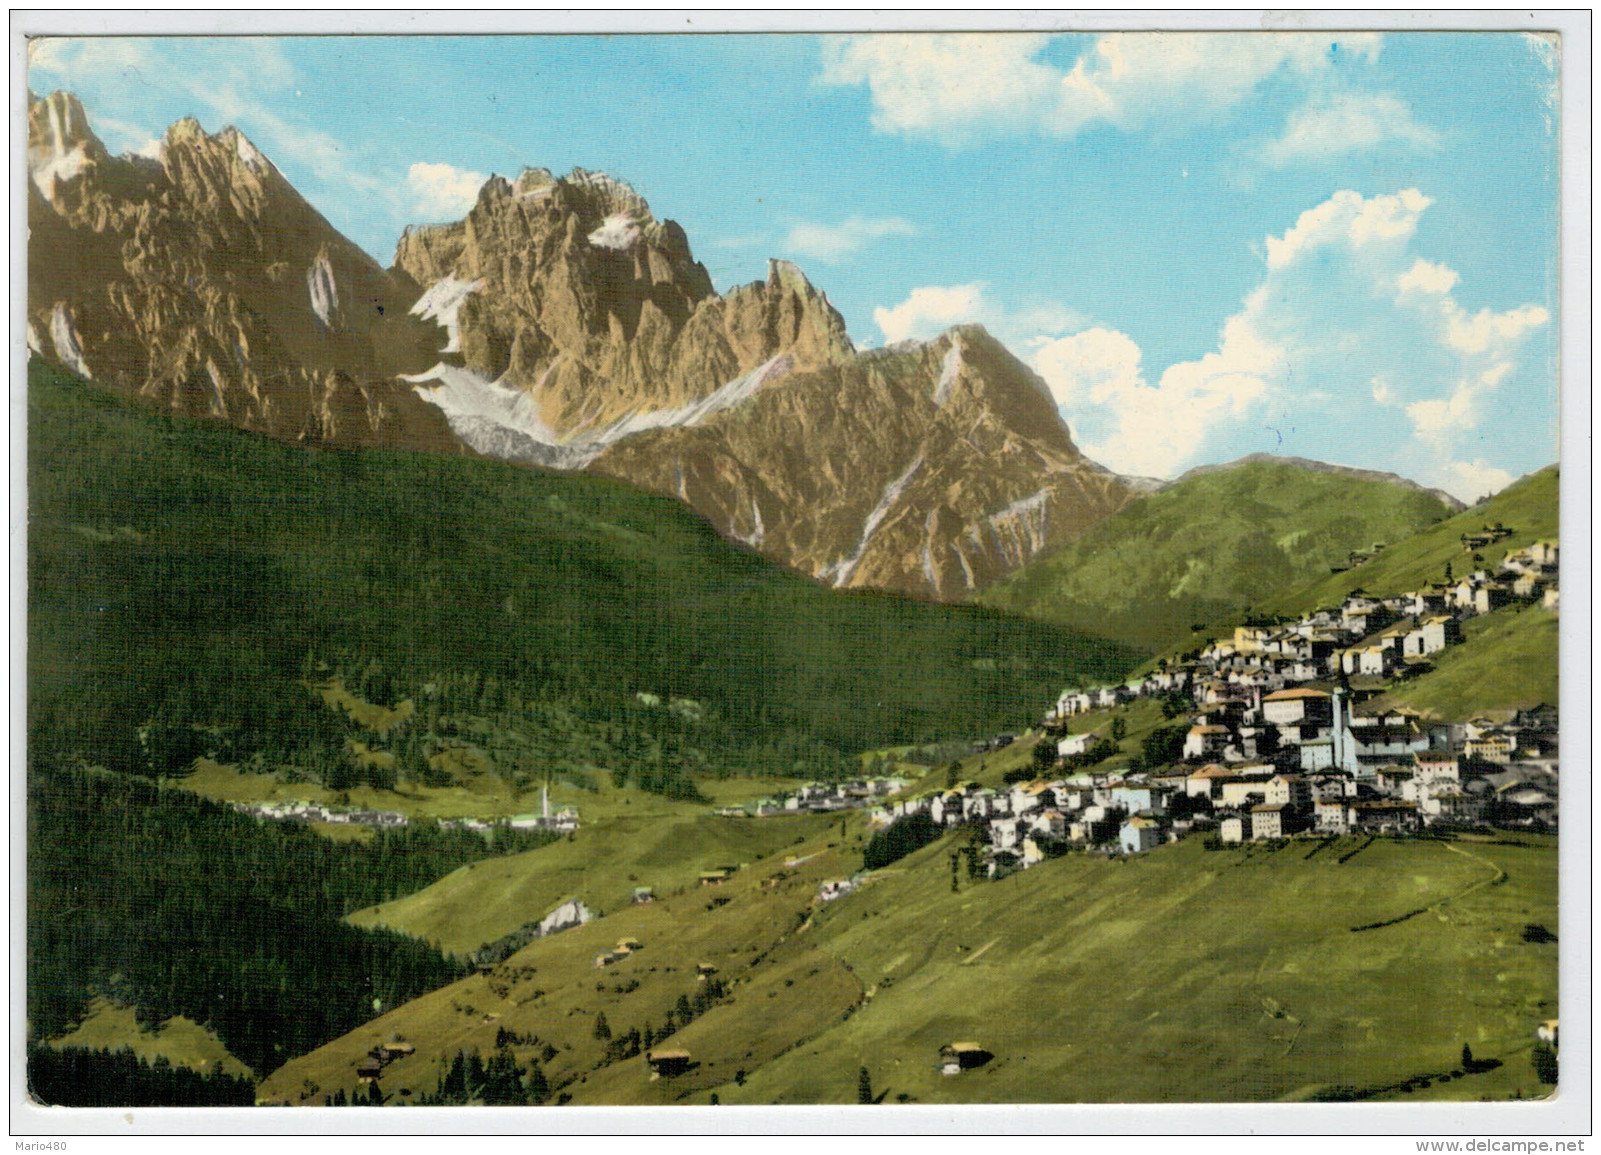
(1336,245)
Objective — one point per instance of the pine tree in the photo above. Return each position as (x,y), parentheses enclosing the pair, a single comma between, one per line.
(538,1087)
(864,1086)
(475,1075)
(602,1028)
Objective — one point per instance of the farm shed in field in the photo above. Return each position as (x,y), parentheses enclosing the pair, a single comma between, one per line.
(954,1058)
(667,1063)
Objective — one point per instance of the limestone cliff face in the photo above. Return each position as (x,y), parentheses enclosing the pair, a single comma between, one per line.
(571,291)
(582,333)
(202,279)
(560,324)
(933,469)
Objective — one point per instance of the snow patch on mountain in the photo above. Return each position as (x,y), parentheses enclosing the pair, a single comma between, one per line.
(741,388)
(967,569)
(324,293)
(496,420)
(928,551)
(219,408)
(951,366)
(617,232)
(758,531)
(1019,529)
(441,304)
(500,421)
(616,191)
(65,338)
(841,570)
(249,154)
(58,169)
(59,163)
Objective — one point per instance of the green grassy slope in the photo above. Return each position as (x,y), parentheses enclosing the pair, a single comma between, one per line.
(783,989)
(1186,975)
(180,1041)
(186,569)
(1528,507)
(1208,548)
(600,864)
(1508,660)
(1248,974)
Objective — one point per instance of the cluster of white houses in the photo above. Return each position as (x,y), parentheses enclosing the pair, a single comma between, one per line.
(818,798)
(564,821)
(294,810)
(1366,639)
(298,811)
(1276,744)
(1479,771)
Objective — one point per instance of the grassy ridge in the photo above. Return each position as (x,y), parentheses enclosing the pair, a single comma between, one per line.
(1208,549)
(1529,508)
(188,569)
(782,989)
(180,1041)
(601,865)
(1187,975)
(1180,975)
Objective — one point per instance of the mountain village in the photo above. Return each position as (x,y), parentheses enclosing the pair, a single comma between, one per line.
(1282,739)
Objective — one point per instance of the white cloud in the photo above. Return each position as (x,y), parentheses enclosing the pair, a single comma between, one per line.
(1143,428)
(1471,480)
(1338,123)
(1091,367)
(442,192)
(1427,277)
(951,87)
(832,243)
(1349,220)
(929,310)
(1352,347)
(960,88)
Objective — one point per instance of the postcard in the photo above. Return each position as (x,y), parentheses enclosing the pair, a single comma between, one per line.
(798,575)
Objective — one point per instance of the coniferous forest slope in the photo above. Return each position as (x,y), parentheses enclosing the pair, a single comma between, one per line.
(185,573)
(1210,548)
(195,591)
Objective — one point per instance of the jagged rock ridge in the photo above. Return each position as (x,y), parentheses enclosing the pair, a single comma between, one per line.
(559,324)
(202,279)
(586,335)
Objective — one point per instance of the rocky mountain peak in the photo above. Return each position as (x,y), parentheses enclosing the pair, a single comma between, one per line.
(204,279)
(559,323)
(61,145)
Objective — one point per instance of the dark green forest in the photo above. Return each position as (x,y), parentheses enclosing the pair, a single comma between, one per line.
(78,1077)
(179,905)
(187,573)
